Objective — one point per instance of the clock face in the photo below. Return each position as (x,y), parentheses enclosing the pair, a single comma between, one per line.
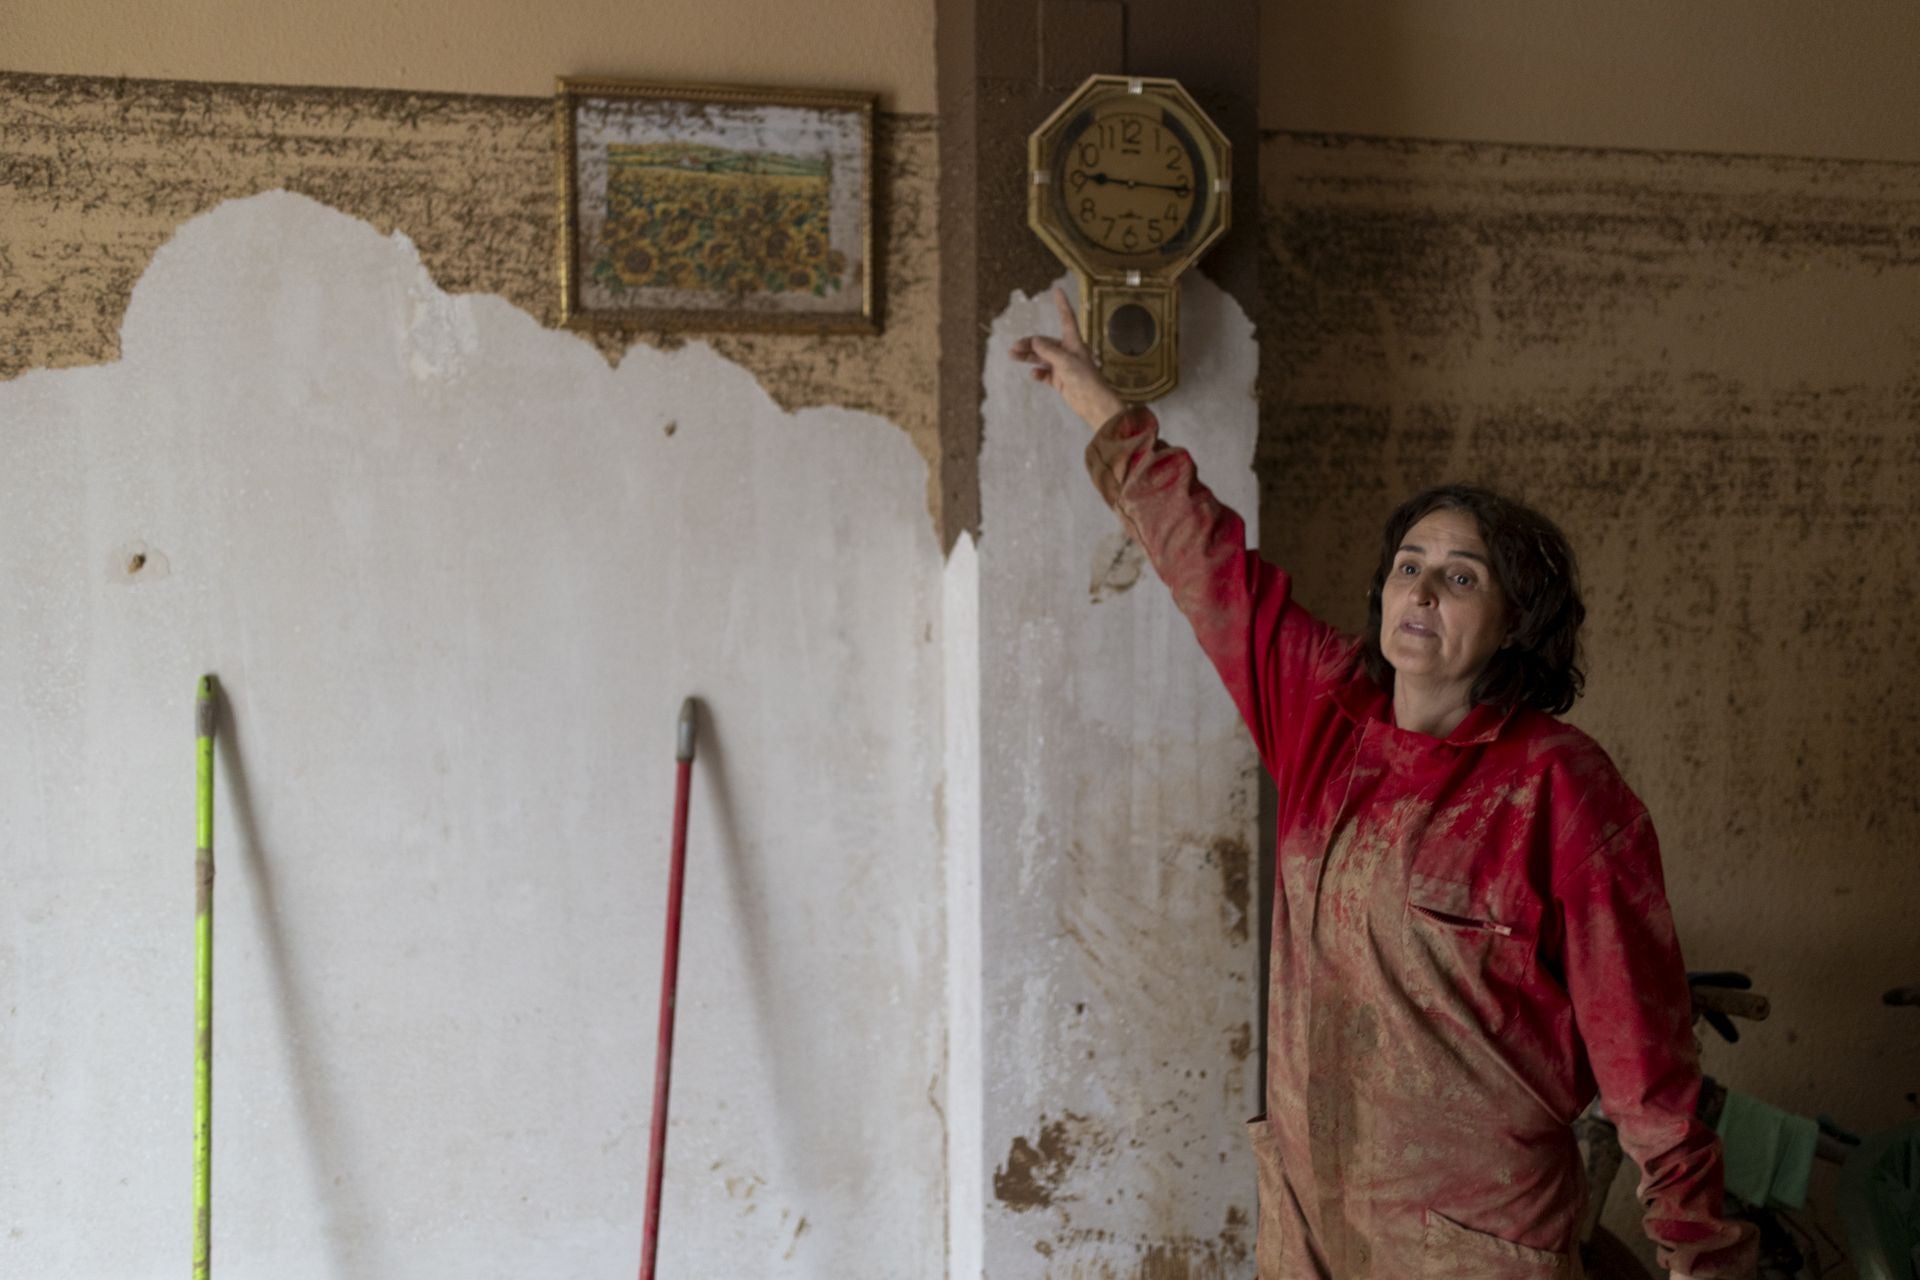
(1129,181)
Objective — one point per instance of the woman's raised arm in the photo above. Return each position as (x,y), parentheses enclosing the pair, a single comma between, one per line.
(1269,653)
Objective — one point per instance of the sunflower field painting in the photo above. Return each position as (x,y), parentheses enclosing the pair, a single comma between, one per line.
(715,209)
(733,222)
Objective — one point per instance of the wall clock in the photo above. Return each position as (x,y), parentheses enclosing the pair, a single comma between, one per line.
(1129,187)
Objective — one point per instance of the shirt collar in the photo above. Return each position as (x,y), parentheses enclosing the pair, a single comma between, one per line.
(1361,700)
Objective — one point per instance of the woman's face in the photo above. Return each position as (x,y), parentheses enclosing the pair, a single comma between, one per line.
(1442,615)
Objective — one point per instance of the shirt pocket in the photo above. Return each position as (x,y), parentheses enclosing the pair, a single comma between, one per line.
(1450,1251)
(1464,962)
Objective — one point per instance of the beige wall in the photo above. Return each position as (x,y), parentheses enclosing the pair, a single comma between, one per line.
(490,46)
(1773,77)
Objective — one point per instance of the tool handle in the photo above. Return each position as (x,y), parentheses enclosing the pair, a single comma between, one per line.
(669,987)
(203,723)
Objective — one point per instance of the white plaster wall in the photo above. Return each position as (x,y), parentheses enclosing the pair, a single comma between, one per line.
(455,576)
(961,817)
(1115,975)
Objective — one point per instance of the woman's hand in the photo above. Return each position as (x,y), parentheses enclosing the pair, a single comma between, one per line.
(1064,365)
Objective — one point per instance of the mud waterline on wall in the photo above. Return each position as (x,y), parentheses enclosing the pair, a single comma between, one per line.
(98,173)
(455,574)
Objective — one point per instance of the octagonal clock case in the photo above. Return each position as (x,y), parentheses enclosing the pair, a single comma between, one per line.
(1129,187)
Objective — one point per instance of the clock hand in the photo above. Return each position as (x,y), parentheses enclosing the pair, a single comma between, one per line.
(1102,179)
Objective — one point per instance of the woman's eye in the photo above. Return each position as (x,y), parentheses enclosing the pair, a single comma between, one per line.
(1463,579)
(1407,568)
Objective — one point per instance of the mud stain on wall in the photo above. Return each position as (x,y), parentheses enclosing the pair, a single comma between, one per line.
(1707,368)
(1231,855)
(1036,1168)
(1118,562)
(1169,1258)
(97,173)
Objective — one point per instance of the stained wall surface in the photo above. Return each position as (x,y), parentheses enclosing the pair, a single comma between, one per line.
(1708,369)
(1119,941)
(98,173)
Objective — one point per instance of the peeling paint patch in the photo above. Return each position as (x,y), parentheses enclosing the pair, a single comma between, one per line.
(100,172)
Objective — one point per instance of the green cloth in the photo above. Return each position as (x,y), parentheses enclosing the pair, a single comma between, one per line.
(1769,1152)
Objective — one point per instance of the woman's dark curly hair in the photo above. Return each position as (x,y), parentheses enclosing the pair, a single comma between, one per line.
(1539,665)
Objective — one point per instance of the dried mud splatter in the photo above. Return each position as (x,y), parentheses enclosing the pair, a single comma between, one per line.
(1153,1258)
(1035,1169)
(1235,861)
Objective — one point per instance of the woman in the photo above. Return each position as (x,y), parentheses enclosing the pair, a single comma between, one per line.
(1470,931)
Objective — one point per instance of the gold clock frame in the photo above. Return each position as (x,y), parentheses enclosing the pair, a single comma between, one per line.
(1111,281)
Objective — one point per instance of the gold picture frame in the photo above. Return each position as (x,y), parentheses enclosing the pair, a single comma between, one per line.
(714,207)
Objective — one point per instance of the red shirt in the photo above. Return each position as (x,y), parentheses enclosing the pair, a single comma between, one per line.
(1471,936)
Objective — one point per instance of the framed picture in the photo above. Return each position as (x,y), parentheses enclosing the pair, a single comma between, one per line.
(688,207)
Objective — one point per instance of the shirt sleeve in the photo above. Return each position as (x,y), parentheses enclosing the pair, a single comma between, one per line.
(1635,1015)
(1268,651)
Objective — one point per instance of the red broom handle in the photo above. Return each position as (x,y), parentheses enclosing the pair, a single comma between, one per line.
(669,983)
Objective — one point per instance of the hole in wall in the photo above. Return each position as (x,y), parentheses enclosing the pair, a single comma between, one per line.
(135,562)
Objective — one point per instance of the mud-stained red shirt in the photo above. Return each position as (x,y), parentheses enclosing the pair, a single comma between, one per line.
(1471,936)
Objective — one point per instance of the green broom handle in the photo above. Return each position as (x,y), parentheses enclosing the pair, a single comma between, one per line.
(203,984)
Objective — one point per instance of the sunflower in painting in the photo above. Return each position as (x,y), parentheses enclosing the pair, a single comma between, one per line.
(687,216)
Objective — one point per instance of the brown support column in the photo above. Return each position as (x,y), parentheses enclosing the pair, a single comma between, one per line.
(1003,66)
